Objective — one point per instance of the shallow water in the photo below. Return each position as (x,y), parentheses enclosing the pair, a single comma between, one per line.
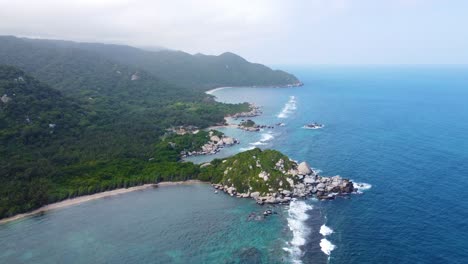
(173,224)
(401,130)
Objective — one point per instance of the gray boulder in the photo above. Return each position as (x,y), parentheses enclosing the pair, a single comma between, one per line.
(304,168)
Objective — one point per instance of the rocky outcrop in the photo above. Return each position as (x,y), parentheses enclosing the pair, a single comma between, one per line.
(304,168)
(254,111)
(213,146)
(299,181)
(249,125)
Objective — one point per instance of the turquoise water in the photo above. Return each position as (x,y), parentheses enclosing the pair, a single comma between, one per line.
(403,130)
(175,224)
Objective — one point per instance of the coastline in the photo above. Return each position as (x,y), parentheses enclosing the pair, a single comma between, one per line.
(91,197)
(211,91)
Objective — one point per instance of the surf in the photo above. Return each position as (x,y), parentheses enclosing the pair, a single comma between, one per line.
(288,108)
(297,216)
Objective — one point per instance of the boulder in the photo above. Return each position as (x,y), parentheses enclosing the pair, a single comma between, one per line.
(304,168)
(320,186)
(245,195)
(215,139)
(264,175)
(228,140)
(255,195)
(309,180)
(271,200)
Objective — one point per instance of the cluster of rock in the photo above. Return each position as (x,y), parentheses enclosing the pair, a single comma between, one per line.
(303,182)
(182,130)
(297,84)
(249,125)
(254,111)
(213,146)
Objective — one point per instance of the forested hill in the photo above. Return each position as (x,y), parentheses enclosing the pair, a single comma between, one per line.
(176,67)
(83,118)
(55,146)
(31,112)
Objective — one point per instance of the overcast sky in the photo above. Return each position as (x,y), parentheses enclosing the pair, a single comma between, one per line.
(267,31)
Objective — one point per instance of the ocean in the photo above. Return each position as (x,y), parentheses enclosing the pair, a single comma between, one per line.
(401,131)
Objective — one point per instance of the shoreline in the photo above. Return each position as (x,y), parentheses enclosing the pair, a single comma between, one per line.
(90,197)
(211,91)
(95,196)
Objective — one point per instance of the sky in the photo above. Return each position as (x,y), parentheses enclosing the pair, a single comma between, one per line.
(275,32)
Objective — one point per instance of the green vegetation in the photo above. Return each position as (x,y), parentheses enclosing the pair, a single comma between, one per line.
(247,123)
(76,121)
(56,148)
(169,148)
(176,67)
(242,171)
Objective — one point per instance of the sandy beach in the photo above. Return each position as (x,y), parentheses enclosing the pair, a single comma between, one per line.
(87,198)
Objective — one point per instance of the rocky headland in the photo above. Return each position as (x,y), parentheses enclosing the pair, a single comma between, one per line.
(213,146)
(251,126)
(270,177)
(254,111)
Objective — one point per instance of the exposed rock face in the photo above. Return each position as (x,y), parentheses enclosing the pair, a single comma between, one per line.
(254,111)
(215,139)
(304,168)
(213,146)
(303,182)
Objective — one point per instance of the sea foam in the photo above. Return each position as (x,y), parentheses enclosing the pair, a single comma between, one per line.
(361,186)
(263,140)
(326,246)
(297,216)
(325,230)
(247,148)
(288,108)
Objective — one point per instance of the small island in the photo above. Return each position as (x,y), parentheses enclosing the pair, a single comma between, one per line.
(270,177)
(251,126)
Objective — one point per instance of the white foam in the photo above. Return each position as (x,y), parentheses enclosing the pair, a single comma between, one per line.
(263,140)
(361,186)
(247,148)
(288,108)
(266,137)
(326,246)
(258,143)
(325,230)
(297,215)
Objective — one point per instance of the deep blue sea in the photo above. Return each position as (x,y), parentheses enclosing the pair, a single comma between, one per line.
(402,130)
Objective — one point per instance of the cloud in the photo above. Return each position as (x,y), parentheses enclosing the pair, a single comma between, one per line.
(271,31)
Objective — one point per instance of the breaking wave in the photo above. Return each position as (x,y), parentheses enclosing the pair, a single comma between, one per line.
(297,216)
(325,230)
(263,140)
(288,108)
(326,246)
(247,148)
(362,186)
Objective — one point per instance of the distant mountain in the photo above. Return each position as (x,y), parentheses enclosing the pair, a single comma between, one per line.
(176,67)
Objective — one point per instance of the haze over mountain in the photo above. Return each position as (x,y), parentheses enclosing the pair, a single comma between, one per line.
(177,67)
(269,31)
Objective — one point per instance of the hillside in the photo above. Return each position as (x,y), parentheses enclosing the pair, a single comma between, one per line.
(176,67)
(268,176)
(36,122)
(59,146)
(76,121)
